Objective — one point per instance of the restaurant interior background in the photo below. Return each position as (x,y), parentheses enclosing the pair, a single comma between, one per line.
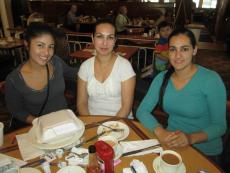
(214,41)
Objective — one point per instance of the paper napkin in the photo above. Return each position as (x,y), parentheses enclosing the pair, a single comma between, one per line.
(138,167)
(26,149)
(136,145)
(17,162)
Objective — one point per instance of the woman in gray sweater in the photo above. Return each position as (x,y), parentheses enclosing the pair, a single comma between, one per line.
(37,86)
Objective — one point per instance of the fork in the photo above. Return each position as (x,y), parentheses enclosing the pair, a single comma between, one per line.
(82,155)
(115,130)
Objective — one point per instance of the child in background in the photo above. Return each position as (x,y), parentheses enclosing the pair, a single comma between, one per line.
(161,51)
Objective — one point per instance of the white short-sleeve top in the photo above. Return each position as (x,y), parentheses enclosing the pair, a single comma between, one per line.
(105,98)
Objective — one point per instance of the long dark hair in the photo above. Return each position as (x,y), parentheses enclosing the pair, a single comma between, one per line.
(184,31)
(36,30)
(163,87)
(179,31)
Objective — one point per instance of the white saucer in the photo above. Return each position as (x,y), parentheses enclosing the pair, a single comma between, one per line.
(156,168)
(71,169)
(119,152)
(29,170)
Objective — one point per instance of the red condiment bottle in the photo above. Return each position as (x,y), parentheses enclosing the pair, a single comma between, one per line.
(106,154)
(93,166)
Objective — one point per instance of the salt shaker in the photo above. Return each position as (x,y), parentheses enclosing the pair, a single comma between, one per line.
(93,166)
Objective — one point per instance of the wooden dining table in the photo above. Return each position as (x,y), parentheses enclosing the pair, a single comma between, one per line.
(192,159)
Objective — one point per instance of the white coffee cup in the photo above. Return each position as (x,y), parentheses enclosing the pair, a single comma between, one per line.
(1,134)
(112,141)
(170,161)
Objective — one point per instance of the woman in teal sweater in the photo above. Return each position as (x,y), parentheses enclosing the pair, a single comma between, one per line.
(194,98)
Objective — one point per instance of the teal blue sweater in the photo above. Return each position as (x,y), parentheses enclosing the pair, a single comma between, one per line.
(200,106)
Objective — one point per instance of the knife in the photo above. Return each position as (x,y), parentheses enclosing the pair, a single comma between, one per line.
(90,139)
(140,150)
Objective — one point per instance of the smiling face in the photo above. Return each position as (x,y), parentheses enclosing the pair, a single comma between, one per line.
(41,49)
(181,52)
(104,39)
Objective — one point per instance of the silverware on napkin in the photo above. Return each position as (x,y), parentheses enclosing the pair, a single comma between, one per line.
(140,150)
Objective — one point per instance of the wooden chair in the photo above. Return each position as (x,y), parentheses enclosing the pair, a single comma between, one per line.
(227,134)
(225,157)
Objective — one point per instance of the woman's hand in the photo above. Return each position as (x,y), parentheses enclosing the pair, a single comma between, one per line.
(162,134)
(177,139)
(174,139)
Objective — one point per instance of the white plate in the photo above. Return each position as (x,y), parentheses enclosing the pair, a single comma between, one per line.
(156,166)
(29,170)
(57,144)
(115,124)
(72,169)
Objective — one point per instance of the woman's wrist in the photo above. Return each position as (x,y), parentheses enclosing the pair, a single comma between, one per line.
(30,119)
(190,140)
(159,130)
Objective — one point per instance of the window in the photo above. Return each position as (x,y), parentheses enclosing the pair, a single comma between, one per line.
(206,3)
(167,1)
(209,3)
(197,3)
(150,0)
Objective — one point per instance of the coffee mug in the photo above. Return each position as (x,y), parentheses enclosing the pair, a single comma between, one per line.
(170,161)
(1,134)
(112,141)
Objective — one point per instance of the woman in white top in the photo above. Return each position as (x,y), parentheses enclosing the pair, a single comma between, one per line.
(106,81)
